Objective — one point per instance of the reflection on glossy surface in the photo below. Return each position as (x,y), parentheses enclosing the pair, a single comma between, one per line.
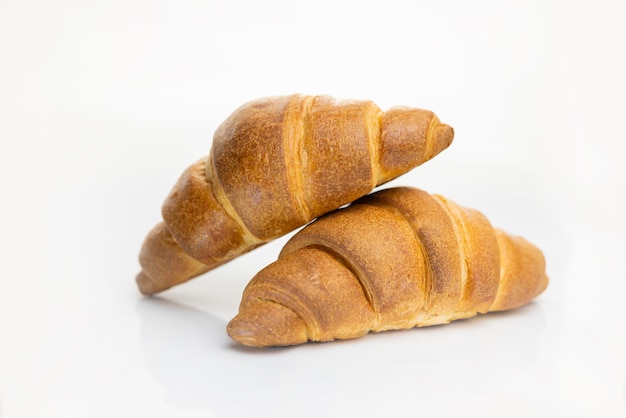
(192,358)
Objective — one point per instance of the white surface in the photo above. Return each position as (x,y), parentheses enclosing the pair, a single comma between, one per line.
(104,103)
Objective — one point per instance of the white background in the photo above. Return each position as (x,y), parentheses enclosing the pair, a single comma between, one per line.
(104,103)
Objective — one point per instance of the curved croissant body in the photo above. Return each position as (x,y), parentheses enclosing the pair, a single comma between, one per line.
(395,259)
(276,164)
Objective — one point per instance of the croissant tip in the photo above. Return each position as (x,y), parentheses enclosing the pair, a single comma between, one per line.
(444,135)
(146,285)
(244,332)
(441,136)
(264,323)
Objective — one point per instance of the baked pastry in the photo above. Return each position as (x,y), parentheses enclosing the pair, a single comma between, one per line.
(395,259)
(276,164)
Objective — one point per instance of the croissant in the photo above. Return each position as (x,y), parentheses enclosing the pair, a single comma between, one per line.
(395,259)
(275,165)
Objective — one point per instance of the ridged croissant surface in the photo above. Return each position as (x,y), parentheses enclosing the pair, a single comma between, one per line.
(276,164)
(395,259)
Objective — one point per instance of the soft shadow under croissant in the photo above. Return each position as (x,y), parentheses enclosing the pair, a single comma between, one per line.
(395,259)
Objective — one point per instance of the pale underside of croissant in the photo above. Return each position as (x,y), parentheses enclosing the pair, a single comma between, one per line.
(275,165)
(396,259)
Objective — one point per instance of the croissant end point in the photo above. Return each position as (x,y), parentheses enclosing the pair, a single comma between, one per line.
(444,134)
(146,285)
(265,323)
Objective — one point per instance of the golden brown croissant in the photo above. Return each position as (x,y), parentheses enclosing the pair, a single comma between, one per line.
(395,259)
(276,164)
